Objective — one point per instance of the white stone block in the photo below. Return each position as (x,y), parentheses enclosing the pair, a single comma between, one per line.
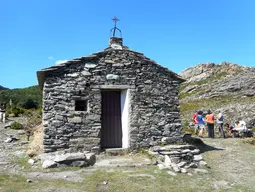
(112,77)
(49,164)
(197,157)
(90,65)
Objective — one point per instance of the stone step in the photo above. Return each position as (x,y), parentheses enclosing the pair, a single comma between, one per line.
(115,151)
(173,147)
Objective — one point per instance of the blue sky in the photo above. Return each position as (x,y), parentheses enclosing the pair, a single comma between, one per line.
(176,33)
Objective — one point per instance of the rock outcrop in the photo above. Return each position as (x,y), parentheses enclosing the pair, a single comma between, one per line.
(225,86)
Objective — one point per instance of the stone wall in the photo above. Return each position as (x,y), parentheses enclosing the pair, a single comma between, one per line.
(154,105)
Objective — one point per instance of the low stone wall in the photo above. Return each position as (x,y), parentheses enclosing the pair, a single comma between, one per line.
(177,157)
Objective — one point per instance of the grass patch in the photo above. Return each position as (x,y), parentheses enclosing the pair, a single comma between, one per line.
(17,183)
(22,162)
(119,180)
(12,183)
(16,126)
(191,106)
(61,169)
(212,102)
(144,152)
(125,182)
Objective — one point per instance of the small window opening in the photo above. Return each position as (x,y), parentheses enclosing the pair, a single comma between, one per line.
(81,105)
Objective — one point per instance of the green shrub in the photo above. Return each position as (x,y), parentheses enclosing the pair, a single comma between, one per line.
(17,111)
(16,126)
(28,112)
(8,112)
(29,98)
(28,103)
(39,111)
(34,118)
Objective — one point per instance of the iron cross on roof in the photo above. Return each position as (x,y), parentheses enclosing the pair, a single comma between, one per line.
(115,20)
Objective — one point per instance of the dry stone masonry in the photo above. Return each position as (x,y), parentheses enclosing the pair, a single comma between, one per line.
(177,157)
(153,99)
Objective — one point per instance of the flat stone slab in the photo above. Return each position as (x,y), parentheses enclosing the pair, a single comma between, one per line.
(172,147)
(126,161)
(116,151)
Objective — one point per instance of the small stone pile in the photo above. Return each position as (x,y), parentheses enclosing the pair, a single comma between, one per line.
(61,159)
(177,157)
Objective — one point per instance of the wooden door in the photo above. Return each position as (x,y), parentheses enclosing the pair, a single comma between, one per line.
(111,133)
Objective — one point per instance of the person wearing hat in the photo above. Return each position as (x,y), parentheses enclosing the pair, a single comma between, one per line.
(209,119)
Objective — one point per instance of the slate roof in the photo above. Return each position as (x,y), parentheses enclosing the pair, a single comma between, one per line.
(41,73)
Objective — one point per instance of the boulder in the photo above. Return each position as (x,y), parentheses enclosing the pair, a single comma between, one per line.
(202,163)
(90,158)
(70,157)
(183,170)
(175,168)
(197,157)
(167,161)
(31,161)
(49,164)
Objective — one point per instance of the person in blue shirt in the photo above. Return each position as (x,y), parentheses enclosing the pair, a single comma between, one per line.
(201,123)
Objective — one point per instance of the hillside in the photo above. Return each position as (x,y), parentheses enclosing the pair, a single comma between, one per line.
(30,97)
(225,86)
(2,88)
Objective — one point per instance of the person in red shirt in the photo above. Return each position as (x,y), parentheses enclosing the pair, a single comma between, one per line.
(195,121)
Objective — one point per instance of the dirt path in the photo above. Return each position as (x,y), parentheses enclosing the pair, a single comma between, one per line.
(235,163)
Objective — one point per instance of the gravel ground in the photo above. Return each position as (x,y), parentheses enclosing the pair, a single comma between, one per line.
(9,151)
(234,163)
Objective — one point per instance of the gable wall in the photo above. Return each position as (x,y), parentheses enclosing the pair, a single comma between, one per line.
(154,107)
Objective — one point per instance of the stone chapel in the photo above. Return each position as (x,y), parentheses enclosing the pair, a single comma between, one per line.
(116,98)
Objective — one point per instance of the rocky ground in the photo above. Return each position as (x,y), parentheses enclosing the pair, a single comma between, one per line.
(231,166)
(10,150)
